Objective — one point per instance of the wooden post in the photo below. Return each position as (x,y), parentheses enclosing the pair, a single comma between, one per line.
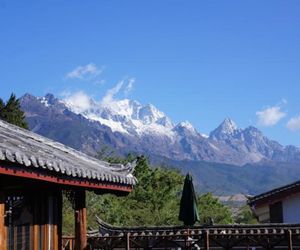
(206,240)
(36,221)
(57,214)
(80,221)
(128,241)
(290,240)
(2,222)
(59,218)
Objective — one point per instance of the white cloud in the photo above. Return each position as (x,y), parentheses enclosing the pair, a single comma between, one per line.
(109,97)
(270,116)
(79,101)
(294,124)
(110,94)
(86,72)
(284,101)
(129,86)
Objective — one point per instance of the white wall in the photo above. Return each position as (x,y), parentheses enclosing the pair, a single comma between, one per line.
(291,209)
(263,213)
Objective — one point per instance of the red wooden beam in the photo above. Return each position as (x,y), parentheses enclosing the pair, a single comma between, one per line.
(27,172)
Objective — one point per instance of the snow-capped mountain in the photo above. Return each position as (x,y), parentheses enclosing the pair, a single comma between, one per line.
(226,130)
(129,126)
(125,116)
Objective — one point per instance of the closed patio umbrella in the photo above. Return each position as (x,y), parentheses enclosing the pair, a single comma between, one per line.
(188,205)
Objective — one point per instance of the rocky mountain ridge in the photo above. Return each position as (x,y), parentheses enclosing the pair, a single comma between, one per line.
(129,126)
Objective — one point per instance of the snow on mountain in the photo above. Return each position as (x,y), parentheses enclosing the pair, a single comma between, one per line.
(186,125)
(205,136)
(225,130)
(133,127)
(44,101)
(124,116)
(47,100)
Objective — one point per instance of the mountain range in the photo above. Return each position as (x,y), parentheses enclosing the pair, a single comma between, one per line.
(128,126)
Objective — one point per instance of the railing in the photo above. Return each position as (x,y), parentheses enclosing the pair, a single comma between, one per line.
(271,236)
(68,242)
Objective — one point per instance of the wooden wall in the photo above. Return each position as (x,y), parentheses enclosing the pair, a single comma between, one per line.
(33,219)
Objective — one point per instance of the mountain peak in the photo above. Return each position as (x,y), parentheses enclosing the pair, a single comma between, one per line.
(125,116)
(27,95)
(146,129)
(185,128)
(228,125)
(187,125)
(253,131)
(150,113)
(226,129)
(50,98)
(47,100)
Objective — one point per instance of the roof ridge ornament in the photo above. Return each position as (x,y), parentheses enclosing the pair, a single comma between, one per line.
(128,168)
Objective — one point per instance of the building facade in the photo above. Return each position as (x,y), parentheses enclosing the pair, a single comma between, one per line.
(34,171)
(280,205)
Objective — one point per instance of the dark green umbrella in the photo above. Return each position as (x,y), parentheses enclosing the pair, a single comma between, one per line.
(188,205)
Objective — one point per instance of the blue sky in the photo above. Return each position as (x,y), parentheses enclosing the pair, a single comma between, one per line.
(200,61)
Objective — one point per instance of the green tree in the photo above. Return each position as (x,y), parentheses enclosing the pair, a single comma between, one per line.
(68,215)
(153,201)
(2,104)
(212,210)
(245,216)
(11,112)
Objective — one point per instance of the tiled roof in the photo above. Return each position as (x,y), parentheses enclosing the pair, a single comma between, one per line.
(106,230)
(287,189)
(30,150)
(233,236)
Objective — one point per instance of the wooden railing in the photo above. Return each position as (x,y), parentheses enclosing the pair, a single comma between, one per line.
(214,237)
(279,236)
(68,242)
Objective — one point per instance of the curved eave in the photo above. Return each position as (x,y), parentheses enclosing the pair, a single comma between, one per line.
(33,151)
(46,176)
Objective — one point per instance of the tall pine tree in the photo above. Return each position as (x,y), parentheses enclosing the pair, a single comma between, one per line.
(2,104)
(12,113)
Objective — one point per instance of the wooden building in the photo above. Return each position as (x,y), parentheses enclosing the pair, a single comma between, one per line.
(280,205)
(33,173)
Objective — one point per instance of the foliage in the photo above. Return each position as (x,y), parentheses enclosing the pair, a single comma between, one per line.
(154,201)
(245,216)
(212,210)
(12,113)
(68,216)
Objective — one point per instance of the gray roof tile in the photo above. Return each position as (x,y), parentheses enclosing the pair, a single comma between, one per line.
(31,150)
